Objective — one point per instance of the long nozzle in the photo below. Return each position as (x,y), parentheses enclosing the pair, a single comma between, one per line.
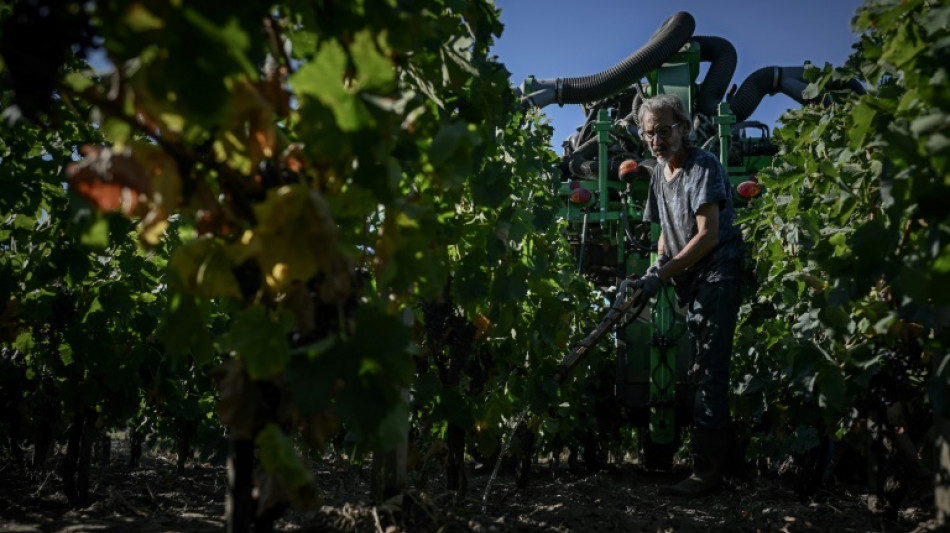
(622,304)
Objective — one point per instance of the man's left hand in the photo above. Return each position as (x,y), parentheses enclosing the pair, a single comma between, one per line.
(649,284)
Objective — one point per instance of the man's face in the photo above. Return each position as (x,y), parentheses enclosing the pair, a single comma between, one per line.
(654,126)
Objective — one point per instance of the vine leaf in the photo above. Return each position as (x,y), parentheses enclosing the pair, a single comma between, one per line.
(374,72)
(863,119)
(296,238)
(185,331)
(832,392)
(904,47)
(205,268)
(251,133)
(260,340)
(279,457)
(323,79)
(240,406)
(110,181)
(137,180)
(287,477)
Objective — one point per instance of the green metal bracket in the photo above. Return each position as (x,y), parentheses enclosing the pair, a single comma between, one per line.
(677,74)
(602,127)
(663,356)
(725,120)
(663,393)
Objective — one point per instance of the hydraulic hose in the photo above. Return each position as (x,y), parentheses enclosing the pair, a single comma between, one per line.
(588,169)
(580,257)
(722,65)
(664,42)
(770,80)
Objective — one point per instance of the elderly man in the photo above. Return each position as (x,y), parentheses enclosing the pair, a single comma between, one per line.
(700,254)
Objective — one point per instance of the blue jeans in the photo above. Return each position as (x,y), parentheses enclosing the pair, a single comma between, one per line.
(711,322)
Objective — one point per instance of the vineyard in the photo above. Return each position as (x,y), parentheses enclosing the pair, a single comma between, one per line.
(303,266)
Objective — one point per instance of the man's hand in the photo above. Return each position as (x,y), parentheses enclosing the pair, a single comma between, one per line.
(650,283)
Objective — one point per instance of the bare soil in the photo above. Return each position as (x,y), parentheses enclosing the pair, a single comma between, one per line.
(154,498)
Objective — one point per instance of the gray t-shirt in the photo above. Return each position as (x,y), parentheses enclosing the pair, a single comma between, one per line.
(673,204)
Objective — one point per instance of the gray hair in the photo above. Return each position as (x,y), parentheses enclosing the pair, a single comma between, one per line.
(675,104)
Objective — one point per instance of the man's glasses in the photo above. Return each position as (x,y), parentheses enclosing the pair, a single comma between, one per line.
(662,132)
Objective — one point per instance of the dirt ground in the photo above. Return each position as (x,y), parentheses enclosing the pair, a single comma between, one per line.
(621,498)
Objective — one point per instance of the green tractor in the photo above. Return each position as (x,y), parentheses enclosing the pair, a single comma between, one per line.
(604,180)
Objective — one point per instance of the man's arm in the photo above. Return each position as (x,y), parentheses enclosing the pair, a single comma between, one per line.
(705,240)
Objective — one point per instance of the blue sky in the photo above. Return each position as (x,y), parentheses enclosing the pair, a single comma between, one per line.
(565,38)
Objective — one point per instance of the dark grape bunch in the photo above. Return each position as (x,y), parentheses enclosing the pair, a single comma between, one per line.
(900,376)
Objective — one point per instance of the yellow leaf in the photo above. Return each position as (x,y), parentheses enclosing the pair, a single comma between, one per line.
(204,265)
(277,276)
(139,19)
(295,237)
(152,231)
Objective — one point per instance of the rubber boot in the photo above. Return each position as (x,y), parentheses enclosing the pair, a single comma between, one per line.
(709,458)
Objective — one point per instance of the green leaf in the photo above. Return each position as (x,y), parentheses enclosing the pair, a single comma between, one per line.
(97,234)
(186,327)
(303,43)
(863,116)
(323,78)
(937,20)
(295,237)
(926,124)
(938,386)
(452,407)
(24,342)
(278,456)
(94,307)
(803,438)
(66,354)
(832,393)
(78,82)
(261,340)
(374,72)
(205,267)
(446,142)
(311,384)
(904,46)
(425,389)
(394,427)
(942,261)
(937,144)
(116,130)
(139,19)
(230,37)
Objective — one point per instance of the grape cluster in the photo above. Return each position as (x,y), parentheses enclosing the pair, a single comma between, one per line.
(900,376)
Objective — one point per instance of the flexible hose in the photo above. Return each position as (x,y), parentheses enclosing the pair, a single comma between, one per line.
(584,168)
(770,80)
(580,258)
(722,65)
(664,42)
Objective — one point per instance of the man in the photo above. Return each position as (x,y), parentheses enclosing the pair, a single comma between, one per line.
(700,253)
